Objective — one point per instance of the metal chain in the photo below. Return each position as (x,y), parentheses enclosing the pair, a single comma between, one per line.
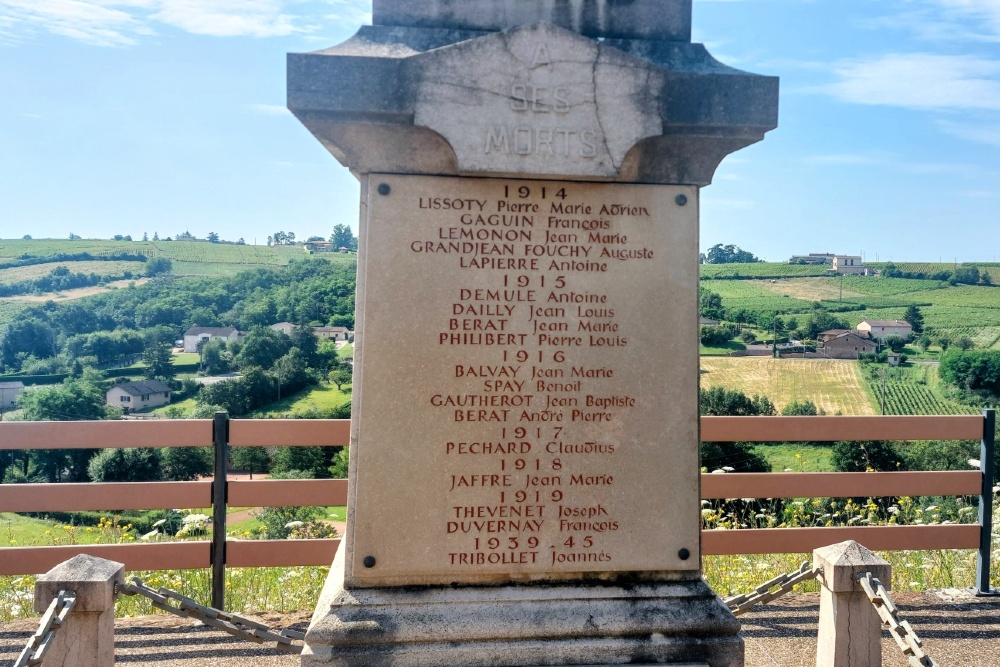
(40,642)
(235,625)
(740,604)
(902,631)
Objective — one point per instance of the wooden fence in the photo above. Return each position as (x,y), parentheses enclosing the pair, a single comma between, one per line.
(220,432)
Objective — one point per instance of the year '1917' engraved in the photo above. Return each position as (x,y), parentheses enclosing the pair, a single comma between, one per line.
(531,418)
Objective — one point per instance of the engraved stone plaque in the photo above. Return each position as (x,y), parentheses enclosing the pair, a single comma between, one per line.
(526,396)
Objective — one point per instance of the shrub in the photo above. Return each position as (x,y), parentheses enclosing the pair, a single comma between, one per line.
(126,465)
(866,455)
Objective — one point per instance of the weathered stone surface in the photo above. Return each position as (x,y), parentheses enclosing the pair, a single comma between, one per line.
(630,19)
(569,337)
(678,623)
(536,99)
(91,578)
(850,630)
(843,562)
(87,637)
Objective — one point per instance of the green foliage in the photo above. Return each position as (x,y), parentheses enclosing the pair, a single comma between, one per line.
(251,459)
(215,357)
(74,399)
(729,254)
(343,237)
(307,462)
(26,337)
(340,377)
(340,464)
(262,347)
(186,464)
(710,304)
(733,456)
(865,455)
(977,370)
(275,520)
(915,318)
(895,343)
(126,465)
(804,408)
(716,336)
(158,265)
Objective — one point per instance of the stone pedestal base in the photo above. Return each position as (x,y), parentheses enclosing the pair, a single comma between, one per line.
(677,623)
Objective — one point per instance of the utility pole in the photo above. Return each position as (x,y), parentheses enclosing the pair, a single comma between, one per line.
(882,373)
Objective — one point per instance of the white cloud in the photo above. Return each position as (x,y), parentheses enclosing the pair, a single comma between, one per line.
(271,109)
(983,133)
(945,20)
(122,22)
(918,81)
(90,21)
(886,161)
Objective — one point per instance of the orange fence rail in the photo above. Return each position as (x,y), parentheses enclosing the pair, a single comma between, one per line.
(222,432)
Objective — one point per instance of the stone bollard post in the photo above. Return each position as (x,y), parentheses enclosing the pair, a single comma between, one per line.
(87,638)
(850,630)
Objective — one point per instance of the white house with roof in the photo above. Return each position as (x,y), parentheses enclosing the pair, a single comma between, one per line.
(133,396)
(848,265)
(882,329)
(284,327)
(9,391)
(332,333)
(196,336)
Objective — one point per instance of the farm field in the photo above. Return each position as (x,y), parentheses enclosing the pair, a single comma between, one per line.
(911,390)
(192,251)
(760,270)
(117,269)
(70,294)
(834,386)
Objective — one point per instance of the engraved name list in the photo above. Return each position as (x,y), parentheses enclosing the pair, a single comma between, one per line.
(526,420)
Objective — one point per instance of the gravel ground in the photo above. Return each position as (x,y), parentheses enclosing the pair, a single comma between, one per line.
(957,630)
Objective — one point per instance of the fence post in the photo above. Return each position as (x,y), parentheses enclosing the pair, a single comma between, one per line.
(220,439)
(850,630)
(87,637)
(986,465)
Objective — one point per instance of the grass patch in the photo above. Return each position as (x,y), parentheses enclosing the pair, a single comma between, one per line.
(721,350)
(346,351)
(319,398)
(793,457)
(834,386)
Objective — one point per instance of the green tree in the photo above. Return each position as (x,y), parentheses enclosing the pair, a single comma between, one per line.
(158,359)
(865,455)
(126,465)
(212,237)
(340,377)
(157,265)
(340,464)
(305,340)
(251,459)
(186,464)
(729,254)
(710,304)
(733,456)
(305,460)
(804,408)
(262,347)
(895,343)
(915,318)
(343,237)
(26,337)
(215,357)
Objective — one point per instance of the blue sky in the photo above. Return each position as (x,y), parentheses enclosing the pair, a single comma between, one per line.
(133,116)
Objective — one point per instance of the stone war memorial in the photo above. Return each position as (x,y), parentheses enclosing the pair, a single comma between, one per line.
(524,473)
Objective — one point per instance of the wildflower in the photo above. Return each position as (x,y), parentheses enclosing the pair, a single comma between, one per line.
(152,533)
(974,463)
(159,523)
(293,524)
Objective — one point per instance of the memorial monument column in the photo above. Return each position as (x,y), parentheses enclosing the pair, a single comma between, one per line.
(524,474)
